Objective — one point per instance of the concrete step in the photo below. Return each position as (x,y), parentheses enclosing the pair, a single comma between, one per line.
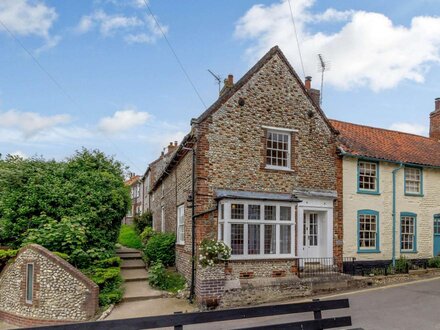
(124,250)
(130,275)
(132,264)
(140,290)
(130,256)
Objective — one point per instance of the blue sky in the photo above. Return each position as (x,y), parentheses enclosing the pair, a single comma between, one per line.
(122,91)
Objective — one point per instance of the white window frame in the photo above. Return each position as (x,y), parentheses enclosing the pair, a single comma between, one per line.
(138,190)
(411,182)
(284,131)
(29,301)
(181,224)
(162,219)
(225,222)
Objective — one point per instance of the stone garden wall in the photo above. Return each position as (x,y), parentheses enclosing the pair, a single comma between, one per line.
(61,293)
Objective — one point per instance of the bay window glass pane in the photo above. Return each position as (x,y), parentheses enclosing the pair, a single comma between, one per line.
(253,212)
(285,239)
(221,232)
(222,211)
(269,239)
(237,238)
(270,212)
(237,211)
(253,239)
(285,213)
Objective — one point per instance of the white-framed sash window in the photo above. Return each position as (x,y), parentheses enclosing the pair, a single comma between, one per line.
(181,224)
(257,229)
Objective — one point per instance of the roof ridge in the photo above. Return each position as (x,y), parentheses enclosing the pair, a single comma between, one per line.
(382,129)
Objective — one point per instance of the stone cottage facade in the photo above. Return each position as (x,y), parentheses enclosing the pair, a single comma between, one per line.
(258,171)
(135,185)
(391,192)
(40,288)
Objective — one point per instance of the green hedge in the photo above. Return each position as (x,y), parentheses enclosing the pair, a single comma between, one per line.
(5,256)
(163,279)
(109,281)
(161,247)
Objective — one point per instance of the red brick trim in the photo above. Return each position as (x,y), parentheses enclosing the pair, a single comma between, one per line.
(29,321)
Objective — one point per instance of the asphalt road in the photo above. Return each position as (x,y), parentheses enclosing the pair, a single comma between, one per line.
(412,306)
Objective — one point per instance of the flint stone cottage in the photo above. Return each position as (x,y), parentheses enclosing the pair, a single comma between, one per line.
(260,169)
(40,288)
(391,192)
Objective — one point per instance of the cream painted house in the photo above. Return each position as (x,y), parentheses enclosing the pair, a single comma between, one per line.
(391,192)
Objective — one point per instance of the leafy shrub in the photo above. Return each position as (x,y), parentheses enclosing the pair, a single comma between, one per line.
(109,262)
(212,252)
(147,234)
(64,236)
(109,281)
(402,265)
(87,190)
(128,237)
(142,221)
(161,247)
(5,256)
(157,275)
(62,255)
(163,279)
(434,262)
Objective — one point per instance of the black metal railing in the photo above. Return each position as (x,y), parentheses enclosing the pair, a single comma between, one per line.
(313,267)
(375,268)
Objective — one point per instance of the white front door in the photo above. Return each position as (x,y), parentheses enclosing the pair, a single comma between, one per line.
(311,235)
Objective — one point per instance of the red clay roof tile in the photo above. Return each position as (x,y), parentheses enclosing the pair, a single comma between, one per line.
(379,143)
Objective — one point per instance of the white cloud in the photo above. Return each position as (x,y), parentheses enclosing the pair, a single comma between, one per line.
(30,123)
(123,120)
(29,18)
(410,128)
(134,29)
(368,50)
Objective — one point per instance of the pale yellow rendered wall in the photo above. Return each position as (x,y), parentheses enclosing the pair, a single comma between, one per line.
(425,207)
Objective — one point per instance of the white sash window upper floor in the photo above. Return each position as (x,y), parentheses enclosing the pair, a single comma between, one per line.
(368,177)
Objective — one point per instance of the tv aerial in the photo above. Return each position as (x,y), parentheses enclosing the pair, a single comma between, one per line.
(218,80)
(323,66)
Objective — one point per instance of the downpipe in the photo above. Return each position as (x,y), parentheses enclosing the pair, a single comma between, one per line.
(394,213)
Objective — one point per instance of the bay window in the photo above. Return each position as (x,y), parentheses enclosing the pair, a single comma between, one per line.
(256,229)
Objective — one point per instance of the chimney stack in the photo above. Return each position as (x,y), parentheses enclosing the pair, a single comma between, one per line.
(315,94)
(308,83)
(434,121)
(228,84)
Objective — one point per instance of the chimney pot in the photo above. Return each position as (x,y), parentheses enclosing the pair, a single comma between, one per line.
(437,104)
(308,82)
(175,143)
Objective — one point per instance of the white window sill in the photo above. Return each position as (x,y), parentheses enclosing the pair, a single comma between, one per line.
(263,257)
(278,168)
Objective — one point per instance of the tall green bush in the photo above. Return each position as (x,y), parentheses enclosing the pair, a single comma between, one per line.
(142,221)
(74,206)
(161,247)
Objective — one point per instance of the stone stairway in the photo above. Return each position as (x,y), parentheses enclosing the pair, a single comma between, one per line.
(134,273)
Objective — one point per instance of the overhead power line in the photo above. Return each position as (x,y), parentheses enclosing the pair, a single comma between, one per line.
(174,53)
(297,41)
(38,63)
(60,87)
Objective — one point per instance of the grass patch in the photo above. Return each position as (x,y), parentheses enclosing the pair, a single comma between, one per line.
(129,238)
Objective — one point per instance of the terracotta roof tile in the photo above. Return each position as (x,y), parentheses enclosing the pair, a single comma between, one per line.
(132,180)
(388,145)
